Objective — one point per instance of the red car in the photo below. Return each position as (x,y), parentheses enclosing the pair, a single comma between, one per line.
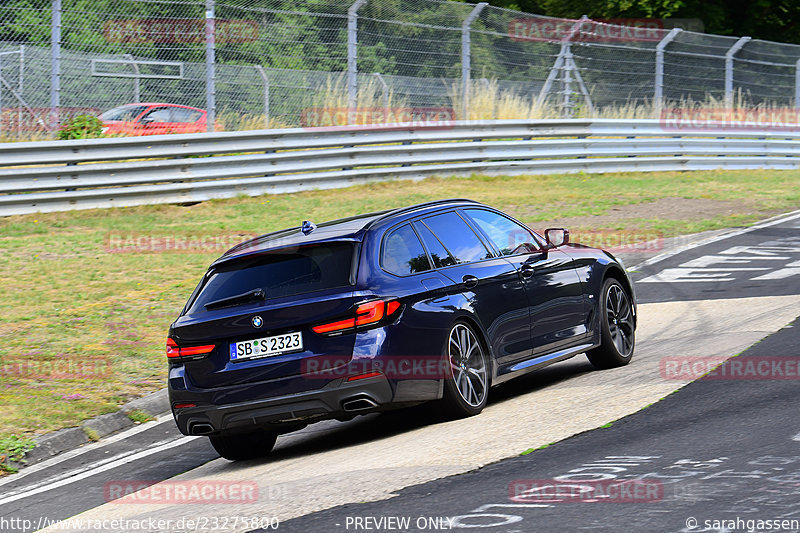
(153,119)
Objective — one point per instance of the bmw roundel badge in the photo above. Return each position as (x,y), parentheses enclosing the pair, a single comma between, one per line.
(257,321)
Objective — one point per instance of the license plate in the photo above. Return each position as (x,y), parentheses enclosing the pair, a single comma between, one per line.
(267,346)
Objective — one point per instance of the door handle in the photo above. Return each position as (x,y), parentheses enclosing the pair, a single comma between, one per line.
(469,281)
(527,271)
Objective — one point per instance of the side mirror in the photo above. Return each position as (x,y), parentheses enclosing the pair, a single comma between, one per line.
(556,237)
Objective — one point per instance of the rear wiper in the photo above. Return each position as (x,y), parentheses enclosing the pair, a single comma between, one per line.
(255,294)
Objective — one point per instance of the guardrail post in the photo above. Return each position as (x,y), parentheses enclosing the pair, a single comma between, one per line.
(729,68)
(55,64)
(658,93)
(211,90)
(265,79)
(352,53)
(466,57)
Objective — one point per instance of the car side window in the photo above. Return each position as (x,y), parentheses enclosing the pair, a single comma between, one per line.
(439,254)
(458,237)
(180,114)
(509,237)
(162,114)
(403,253)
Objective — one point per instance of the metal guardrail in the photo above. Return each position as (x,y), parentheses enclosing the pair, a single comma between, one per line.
(97,173)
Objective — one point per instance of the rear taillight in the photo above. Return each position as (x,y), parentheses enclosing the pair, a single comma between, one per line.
(187,352)
(367,314)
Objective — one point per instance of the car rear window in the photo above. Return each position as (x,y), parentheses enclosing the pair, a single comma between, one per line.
(181,114)
(403,254)
(278,274)
(441,258)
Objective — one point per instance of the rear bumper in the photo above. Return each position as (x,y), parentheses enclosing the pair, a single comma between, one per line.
(333,400)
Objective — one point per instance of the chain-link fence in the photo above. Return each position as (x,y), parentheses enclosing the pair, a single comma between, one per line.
(264,63)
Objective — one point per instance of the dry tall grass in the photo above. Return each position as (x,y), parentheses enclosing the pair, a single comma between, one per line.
(487,101)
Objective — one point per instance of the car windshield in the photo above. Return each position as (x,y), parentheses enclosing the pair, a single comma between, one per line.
(125,113)
(275,275)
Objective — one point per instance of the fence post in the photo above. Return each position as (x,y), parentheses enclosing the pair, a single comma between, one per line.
(566,101)
(211,90)
(729,68)
(352,53)
(1,98)
(55,64)
(384,95)
(466,57)
(658,93)
(137,94)
(265,79)
(21,87)
(797,84)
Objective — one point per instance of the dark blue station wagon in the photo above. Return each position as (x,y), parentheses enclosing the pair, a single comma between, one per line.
(433,302)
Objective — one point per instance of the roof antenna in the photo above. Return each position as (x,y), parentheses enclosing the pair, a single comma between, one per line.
(307,227)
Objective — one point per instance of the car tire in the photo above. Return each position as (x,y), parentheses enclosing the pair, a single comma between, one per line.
(466,384)
(242,446)
(617,327)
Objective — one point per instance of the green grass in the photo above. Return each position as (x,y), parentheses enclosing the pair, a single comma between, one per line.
(66,301)
(542,447)
(140,417)
(13,449)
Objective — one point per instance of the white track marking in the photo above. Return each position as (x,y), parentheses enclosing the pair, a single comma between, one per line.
(64,475)
(774,221)
(69,455)
(95,468)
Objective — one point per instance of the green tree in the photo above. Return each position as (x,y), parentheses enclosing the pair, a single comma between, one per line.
(776,20)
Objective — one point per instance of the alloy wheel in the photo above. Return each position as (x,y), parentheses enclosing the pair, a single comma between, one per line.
(620,319)
(468,365)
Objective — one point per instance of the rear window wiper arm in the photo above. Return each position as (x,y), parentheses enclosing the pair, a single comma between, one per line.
(255,294)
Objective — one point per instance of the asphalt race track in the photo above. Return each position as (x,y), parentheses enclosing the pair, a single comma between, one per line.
(717,450)
(721,448)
